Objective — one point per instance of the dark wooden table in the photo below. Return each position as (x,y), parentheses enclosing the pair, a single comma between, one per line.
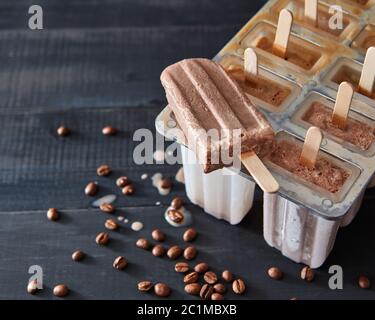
(98,63)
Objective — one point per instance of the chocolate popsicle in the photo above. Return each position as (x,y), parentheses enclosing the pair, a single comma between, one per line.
(203,97)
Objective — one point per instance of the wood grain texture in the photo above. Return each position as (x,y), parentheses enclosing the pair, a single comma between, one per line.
(61,69)
(28,238)
(119,13)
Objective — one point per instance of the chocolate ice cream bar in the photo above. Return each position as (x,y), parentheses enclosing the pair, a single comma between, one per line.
(204,98)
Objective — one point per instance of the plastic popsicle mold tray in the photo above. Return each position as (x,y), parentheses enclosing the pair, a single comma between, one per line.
(323,53)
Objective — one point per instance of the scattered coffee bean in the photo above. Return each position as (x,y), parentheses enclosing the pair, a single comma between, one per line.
(307,274)
(181,267)
(238,286)
(63,131)
(109,131)
(158,235)
(32,286)
(190,234)
(174,252)
(78,255)
(128,190)
(227,276)
(294,298)
(144,286)
(193,289)
(275,273)
(111,224)
(201,267)
(102,238)
(220,288)
(191,277)
(107,208)
(176,203)
(206,292)
(91,189)
(120,263)
(162,290)
(158,250)
(103,170)
(217,296)
(190,253)
(166,184)
(364,282)
(175,216)
(52,214)
(122,181)
(143,244)
(210,277)
(61,290)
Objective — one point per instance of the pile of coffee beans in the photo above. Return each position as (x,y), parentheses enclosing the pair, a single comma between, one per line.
(210,287)
(198,280)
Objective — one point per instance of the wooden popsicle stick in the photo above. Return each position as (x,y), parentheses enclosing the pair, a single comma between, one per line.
(311,12)
(311,147)
(343,101)
(259,172)
(284,26)
(250,63)
(366,83)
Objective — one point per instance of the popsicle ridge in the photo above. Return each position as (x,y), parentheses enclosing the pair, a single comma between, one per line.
(204,97)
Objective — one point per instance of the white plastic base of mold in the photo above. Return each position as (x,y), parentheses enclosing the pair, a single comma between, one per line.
(371,184)
(299,234)
(221,193)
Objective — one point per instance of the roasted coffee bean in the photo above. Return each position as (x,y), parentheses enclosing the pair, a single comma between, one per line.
(128,190)
(107,208)
(220,288)
(201,267)
(103,170)
(63,131)
(364,282)
(174,252)
(91,189)
(227,276)
(190,234)
(294,298)
(206,292)
(122,181)
(190,253)
(158,235)
(193,289)
(176,203)
(275,273)
(111,224)
(307,274)
(143,244)
(181,267)
(144,286)
(166,184)
(210,277)
(61,290)
(120,263)
(191,277)
(102,238)
(53,214)
(78,255)
(32,286)
(175,216)
(217,296)
(162,290)
(109,131)
(238,286)
(158,250)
